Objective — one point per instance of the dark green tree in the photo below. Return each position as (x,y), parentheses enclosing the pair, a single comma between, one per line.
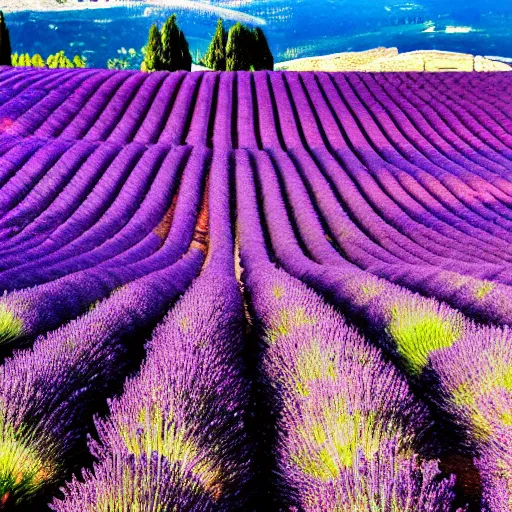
(153,56)
(239,48)
(262,56)
(186,57)
(5,43)
(215,57)
(175,52)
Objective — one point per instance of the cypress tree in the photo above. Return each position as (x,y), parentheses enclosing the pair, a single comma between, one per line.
(171,45)
(239,48)
(152,58)
(262,56)
(186,58)
(5,43)
(215,57)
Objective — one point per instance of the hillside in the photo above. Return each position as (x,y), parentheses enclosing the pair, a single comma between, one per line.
(321,265)
(389,59)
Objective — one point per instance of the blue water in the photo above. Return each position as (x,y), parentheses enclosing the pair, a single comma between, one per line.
(295,28)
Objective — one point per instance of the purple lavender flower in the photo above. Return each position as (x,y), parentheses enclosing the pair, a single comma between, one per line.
(139,484)
(387,482)
(186,409)
(339,405)
(475,384)
(47,392)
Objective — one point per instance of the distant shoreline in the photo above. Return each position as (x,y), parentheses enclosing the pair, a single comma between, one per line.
(12,6)
(375,59)
(15,6)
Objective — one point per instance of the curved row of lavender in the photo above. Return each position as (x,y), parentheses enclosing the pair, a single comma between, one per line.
(373,220)
(425,196)
(347,423)
(31,311)
(47,392)
(185,413)
(436,345)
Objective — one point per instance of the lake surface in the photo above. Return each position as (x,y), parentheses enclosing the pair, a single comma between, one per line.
(295,28)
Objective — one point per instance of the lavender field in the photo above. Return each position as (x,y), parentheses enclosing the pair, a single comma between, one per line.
(255,291)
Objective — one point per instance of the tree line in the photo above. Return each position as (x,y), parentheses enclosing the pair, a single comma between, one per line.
(239,49)
(58,60)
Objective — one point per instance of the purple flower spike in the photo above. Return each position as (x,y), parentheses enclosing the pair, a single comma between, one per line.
(186,409)
(138,484)
(47,392)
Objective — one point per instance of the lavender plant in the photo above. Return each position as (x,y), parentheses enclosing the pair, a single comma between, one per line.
(185,411)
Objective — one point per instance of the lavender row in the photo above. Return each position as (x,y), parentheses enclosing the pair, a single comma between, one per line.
(96,231)
(108,208)
(461,166)
(431,341)
(359,170)
(481,122)
(48,391)
(32,311)
(92,174)
(464,150)
(465,178)
(346,421)
(319,216)
(278,110)
(185,412)
(422,167)
(133,212)
(465,130)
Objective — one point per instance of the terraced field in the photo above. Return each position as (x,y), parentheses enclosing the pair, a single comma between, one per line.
(321,263)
